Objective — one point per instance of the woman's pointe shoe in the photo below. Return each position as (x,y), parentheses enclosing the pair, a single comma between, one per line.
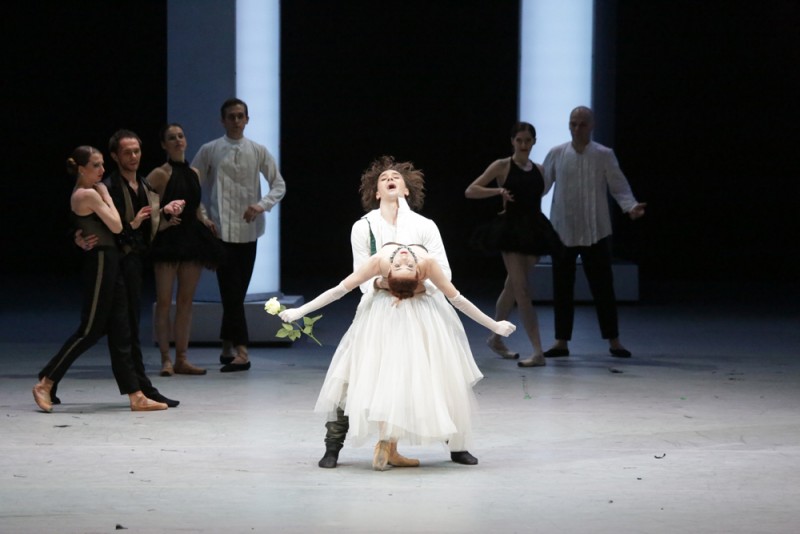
(381,456)
(143,404)
(533,361)
(499,348)
(183,367)
(41,394)
(166,366)
(398,460)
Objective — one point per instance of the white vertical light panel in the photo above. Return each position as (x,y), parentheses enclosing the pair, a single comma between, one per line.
(555,71)
(258,84)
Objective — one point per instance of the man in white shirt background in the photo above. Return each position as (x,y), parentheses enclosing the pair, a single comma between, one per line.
(229,169)
(583,173)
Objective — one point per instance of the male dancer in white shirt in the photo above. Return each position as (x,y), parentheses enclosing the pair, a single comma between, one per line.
(583,172)
(229,170)
(392,221)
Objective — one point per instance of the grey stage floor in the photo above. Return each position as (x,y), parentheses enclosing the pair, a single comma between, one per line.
(699,432)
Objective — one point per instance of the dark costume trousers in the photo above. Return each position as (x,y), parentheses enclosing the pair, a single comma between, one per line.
(597,267)
(131,272)
(104,311)
(233,277)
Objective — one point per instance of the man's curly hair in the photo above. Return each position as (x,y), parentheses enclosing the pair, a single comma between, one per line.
(414,179)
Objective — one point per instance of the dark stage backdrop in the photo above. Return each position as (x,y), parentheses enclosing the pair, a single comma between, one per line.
(705,112)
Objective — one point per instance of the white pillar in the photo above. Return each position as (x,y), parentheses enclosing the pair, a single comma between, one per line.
(258,83)
(555,71)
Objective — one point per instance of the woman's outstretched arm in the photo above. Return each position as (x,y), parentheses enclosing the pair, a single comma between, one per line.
(368,270)
(434,273)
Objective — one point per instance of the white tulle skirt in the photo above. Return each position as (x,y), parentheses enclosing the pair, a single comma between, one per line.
(404,371)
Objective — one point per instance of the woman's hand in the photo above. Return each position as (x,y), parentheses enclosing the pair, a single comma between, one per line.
(504,328)
(174,208)
(102,190)
(211,226)
(290,315)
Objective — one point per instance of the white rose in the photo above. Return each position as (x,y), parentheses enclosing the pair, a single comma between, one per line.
(272,306)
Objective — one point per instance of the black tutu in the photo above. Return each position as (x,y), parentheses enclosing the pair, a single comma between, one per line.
(190,241)
(532,234)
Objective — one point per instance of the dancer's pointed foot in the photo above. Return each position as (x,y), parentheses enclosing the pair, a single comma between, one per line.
(166,367)
(498,347)
(398,460)
(140,403)
(381,456)
(183,367)
(533,361)
(41,394)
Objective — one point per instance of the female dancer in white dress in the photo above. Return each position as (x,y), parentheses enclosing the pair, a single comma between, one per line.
(409,377)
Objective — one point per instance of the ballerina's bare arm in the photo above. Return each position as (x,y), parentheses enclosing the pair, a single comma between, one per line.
(97,200)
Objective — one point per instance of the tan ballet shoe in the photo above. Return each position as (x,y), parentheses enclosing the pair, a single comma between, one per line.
(143,404)
(533,361)
(41,394)
(166,367)
(498,347)
(381,456)
(398,460)
(183,367)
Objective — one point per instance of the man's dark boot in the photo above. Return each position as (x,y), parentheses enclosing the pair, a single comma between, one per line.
(331,456)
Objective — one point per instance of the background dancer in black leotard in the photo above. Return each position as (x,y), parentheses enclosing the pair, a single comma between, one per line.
(520,232)
(180,250)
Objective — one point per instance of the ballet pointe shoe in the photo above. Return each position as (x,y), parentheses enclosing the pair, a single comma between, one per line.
(140,403)
(183,367)
(498,347)
(533,361)
(166,366)
(398,460)
(381,456)
(41,394)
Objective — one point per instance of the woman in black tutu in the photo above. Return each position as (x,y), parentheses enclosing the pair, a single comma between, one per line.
(183,245)
(521,233)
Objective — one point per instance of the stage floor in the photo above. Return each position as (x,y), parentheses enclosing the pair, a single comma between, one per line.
(698,432)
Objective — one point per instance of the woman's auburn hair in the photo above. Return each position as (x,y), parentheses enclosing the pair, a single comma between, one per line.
(403,288)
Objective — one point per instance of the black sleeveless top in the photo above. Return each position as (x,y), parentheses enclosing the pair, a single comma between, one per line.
(191,240)
(521,227)
(92,224)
